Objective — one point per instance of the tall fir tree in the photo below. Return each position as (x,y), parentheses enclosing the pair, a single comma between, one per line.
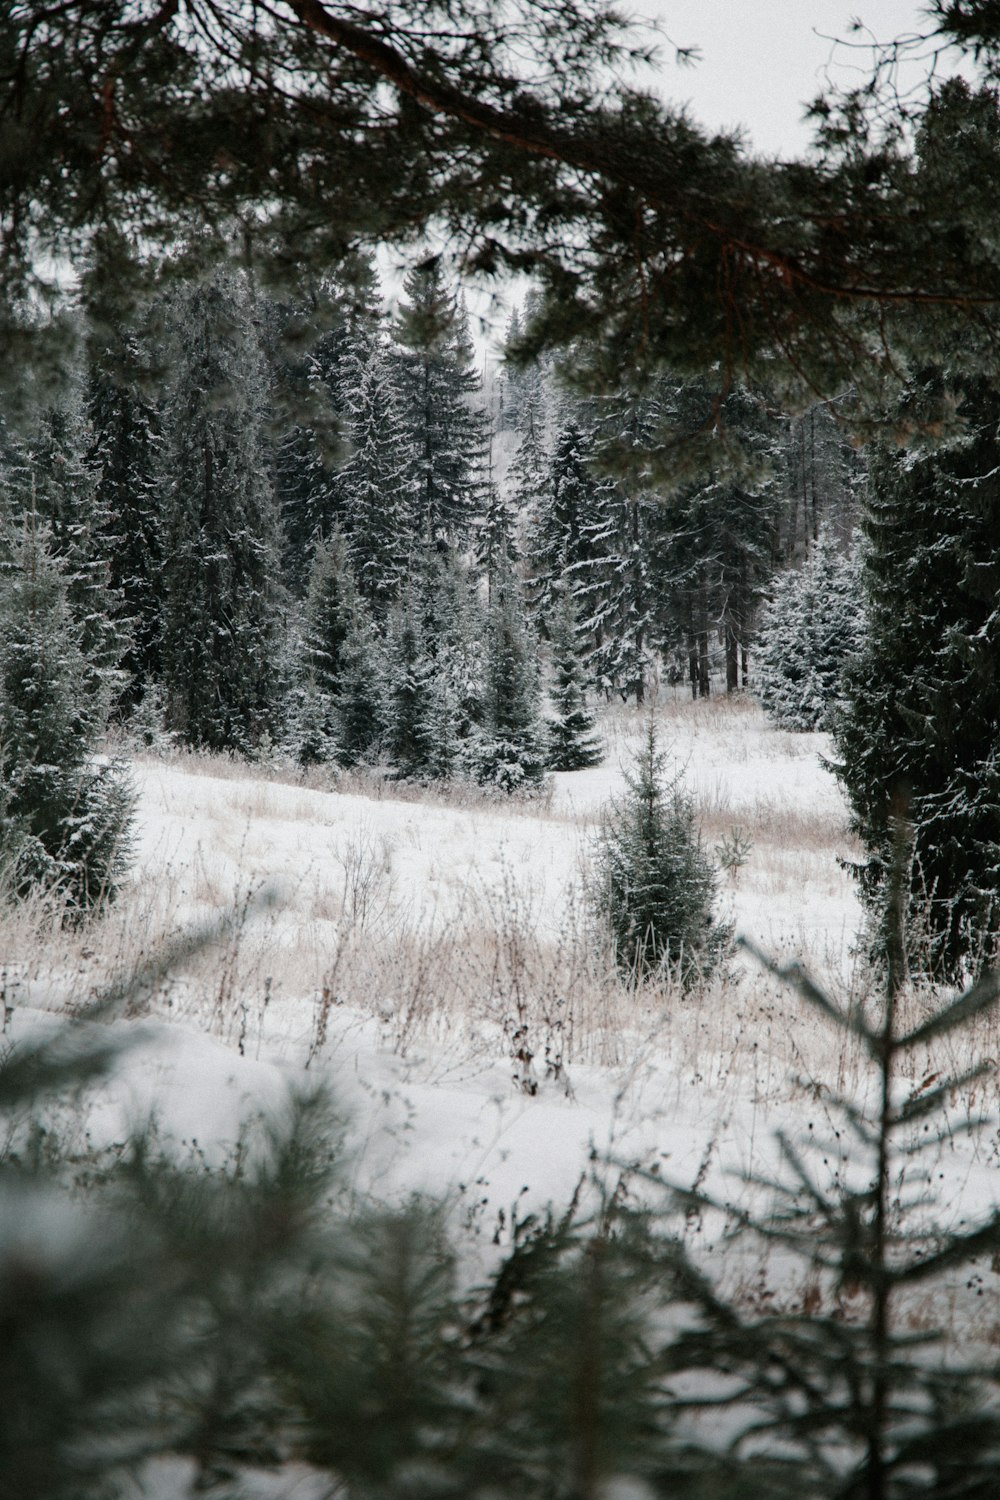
(326,620)
(315,347)
(377,482)
(811,626)
(223,605)
(48,476)
(64,819)
(510,743)
(444,424)
(572,742)
(124,440)
(560,532)
(419,734)
(917,736)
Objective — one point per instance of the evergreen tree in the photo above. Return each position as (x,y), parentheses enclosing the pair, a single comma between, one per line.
(496,544)
(654,886)
(360,700)
(811,626)
(316,347)
(573,746)
(614,594)
(64,822)
(376,483)
(48,475)
(222,598)
(560,532)
(123,452)
(419,735)
(326,620)
(509,747)
(713,543)
(453,624)
(438,387)
(918,730)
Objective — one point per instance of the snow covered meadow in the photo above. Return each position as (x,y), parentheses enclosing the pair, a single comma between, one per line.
(429,957)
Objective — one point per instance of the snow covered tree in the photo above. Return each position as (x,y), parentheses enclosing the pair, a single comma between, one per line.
(917,735)
(223,605)
(325,621)
(124,439)
(559,534)
(614,594)
(509,750)
(64,821)
(654,886)
(445,429)
(376,484)
(496,545)
(315,347)
(360,701)
(812,623)
(713,542)
(572,743)
(419,731)
(47,475)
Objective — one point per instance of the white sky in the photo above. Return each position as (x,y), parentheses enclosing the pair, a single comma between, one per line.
(762,61)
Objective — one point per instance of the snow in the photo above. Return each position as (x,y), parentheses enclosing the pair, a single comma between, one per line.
(405,911)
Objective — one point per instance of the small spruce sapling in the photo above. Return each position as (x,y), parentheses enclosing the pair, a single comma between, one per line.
(654,885)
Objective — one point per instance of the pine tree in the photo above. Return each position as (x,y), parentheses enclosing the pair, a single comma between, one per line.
(573,746)
(811,626)
(64,822)
(509,752)
(438,387)
(654,886)
(917,732)
(222,598)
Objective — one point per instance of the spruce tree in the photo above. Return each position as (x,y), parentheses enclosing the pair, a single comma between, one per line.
(124,440)
(326,619)
(572,743)
(509,753)
(438,387)
(810,627)
(560,532)
(419,733)
(918,729)
(64,821)
(49,475)
(223,617)
(376,484)
(360,720)
(654,886)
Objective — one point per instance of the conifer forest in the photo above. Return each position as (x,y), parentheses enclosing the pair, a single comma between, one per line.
(499,758)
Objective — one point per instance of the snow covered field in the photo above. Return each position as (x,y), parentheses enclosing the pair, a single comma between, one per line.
(412,950)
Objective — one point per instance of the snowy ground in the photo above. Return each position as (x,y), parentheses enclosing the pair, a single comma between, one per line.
(405,949)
